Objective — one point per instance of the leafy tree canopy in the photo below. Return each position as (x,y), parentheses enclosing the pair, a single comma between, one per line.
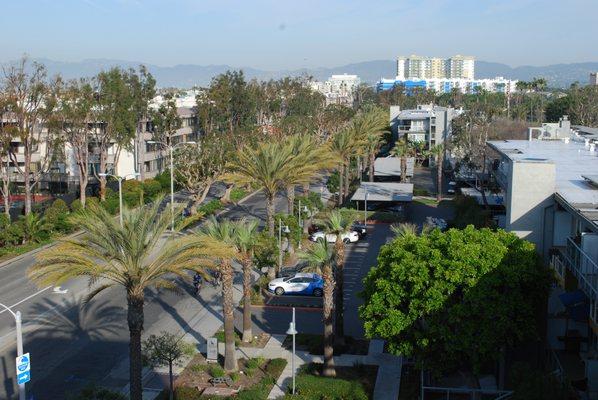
(454,299)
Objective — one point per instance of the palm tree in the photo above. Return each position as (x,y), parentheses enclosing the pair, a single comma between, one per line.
(244,234)
(338,224)
(404,229)
(402,150)
(343,145)
(371,126)
(223,232)
(264,165)
(309,159)
(320,259)
(112,255)
(437,152)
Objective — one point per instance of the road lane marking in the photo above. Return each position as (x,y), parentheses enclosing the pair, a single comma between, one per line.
(27,298)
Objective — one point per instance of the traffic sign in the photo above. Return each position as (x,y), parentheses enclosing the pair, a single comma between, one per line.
(23,364)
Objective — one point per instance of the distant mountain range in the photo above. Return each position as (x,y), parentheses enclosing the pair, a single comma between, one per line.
(188,75)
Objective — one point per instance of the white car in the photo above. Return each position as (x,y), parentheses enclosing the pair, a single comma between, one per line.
(348,237)
(301,283)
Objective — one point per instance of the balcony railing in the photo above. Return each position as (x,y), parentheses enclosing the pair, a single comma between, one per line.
(585,270)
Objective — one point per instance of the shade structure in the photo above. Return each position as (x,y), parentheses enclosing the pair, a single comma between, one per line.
(384,192)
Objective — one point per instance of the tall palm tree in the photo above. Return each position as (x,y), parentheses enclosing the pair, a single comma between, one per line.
(244,234)
(344,145)
(402,150)
(309,159)
(437,152)
(110,255)
(320,259)
(338,224)
(223,232)
(265,165)
(370,127)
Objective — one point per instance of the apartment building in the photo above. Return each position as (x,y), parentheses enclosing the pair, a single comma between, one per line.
(338,89)
(60,170)
(427,123)
(447,85)
(593,78)
(417,67)
(550,190)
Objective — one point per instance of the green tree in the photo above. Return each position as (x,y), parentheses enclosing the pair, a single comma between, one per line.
(35,229)
(456,298)
(320,258)
(371,126)
(166,349)
(110,255)
(338,223)
(224,232)
(402,150)
(166,120)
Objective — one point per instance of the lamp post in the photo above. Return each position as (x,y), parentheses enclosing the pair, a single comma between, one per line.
(120,192)
(365,211)
(280,230)
(17,317)
(171,150)
(293,331)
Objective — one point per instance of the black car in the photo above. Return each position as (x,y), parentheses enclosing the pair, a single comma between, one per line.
(360,228)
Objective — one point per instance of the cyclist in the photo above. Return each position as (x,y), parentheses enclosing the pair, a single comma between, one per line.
(197,281)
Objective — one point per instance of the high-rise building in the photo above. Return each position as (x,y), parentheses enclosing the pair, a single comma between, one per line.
(456,67)
(594,78)
(339,89)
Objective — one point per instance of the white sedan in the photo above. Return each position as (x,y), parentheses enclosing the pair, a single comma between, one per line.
(348,237)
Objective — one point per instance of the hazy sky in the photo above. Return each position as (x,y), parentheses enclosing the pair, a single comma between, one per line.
(278,34)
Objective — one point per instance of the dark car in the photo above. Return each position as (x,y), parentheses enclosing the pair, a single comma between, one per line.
(360,228)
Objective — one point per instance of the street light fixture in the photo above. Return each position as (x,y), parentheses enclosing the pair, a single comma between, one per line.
(120,191)
(17,317)
(292,331)
(171,149)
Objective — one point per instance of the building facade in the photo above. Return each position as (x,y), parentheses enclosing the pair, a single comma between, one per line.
(427,123)
(446,85)
(417,67)
(594,78)
(338,89)
(550,191)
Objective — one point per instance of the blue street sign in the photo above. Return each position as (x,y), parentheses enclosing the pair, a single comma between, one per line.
(23,377)
(23,364)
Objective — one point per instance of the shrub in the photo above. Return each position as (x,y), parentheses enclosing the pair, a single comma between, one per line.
(316,387)
(235,376)
(97,393)
(57,216)
(151,188)
(216,371)
(237,194)
(274,367)
(111,203)
(210,207)
(420,192)
(199,367)
(163,179)
(132,192)
(185,393)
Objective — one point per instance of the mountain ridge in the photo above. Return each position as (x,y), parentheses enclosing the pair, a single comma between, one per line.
(187,75)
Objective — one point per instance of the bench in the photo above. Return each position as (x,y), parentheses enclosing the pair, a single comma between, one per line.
(224,379)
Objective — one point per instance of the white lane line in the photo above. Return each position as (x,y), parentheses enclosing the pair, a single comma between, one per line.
(27,298)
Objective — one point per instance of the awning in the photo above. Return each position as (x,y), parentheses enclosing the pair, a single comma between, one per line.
(384,191)
(391,166)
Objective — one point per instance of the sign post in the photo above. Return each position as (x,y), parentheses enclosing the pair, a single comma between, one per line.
(212,353)
(23,364)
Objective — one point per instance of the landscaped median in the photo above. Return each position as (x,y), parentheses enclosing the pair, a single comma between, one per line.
(253,381)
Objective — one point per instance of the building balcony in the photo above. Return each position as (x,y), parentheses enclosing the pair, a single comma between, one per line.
(584,269)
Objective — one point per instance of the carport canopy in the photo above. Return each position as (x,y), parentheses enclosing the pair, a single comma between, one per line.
(391,166)
(384,192)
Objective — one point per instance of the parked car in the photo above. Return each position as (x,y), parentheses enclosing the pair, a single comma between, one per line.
(437,223)
(301,283)
(360,228)
(396,208)
(347,237)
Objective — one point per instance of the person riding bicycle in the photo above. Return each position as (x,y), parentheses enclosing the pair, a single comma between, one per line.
(197,280)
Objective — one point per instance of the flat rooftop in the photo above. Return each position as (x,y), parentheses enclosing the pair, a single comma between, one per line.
(573,162)
(384,191)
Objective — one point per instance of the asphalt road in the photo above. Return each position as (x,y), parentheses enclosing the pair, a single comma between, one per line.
(72,344)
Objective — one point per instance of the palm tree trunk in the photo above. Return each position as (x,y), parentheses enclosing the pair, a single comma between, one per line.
(403,169)
(247,332)
(340,185)
(328,326)
(135,321)
(371,166)
(226,197)
(290,199)
(339,306)
(230,362)
(347,181)
(270,212)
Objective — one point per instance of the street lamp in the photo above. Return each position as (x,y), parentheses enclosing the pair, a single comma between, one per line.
(281,229)
(17,317)
(120,192)
(171,149)
(292,331)
(365,210)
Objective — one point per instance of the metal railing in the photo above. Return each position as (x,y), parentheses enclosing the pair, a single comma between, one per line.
(558,265)
(586,271)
